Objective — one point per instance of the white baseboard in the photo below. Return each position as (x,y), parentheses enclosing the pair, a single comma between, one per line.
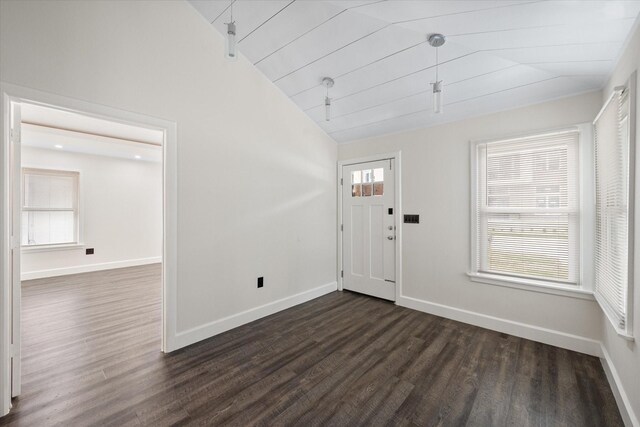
(523,330)
(622,399)
(30,275)
(191,336)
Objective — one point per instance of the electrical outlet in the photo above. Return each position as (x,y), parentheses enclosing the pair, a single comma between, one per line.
(260,282)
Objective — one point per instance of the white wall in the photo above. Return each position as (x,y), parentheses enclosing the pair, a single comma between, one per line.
(120,213)
(625,355)
(436,185)
(256,177)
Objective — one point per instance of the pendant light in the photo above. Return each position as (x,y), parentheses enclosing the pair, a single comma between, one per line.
(437,40)
(231,52)
(328,83)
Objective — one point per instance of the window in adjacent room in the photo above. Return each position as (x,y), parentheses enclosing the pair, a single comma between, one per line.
(49,207)
(526,214)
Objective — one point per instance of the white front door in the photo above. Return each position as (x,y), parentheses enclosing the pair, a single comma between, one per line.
(369,235)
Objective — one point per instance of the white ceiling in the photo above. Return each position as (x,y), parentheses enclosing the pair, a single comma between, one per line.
(499,54)
(66,131)
(62,119)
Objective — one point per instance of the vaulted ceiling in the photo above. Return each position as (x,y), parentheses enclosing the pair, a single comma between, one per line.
(499,54)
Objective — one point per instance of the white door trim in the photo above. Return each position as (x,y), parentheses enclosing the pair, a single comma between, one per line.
(12,93)
(396,155)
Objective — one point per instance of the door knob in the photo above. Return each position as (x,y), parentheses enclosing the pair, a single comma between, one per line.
(390,237)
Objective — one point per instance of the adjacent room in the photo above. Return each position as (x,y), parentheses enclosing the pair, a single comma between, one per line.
(319,212)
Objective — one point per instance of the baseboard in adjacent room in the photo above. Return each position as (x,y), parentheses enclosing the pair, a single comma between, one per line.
(40,274)
(622,399)
(522,330)
(208,330)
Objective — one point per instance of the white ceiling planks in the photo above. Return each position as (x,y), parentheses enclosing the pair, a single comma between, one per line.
(499,54)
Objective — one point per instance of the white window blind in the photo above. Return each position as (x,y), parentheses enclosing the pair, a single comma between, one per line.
(612,164)
(527,208)
(49,207)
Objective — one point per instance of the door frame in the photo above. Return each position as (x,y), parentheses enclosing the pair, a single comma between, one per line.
(22,95)
(395,155)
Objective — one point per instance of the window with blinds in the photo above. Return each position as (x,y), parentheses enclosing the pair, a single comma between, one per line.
(527,208)
(49,207)
(612,167)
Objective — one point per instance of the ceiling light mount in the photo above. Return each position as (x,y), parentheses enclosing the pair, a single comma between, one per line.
(436,39)
(230,50)
(328,83)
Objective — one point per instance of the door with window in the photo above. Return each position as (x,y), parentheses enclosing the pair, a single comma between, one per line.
(369,234)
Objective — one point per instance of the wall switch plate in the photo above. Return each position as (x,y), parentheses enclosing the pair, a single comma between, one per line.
(89,251)
(412,219)
(260,282)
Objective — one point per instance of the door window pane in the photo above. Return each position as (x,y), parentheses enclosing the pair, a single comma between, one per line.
(356,184)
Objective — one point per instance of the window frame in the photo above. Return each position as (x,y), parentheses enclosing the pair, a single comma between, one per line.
(628,90)
(76,243)
(586,211)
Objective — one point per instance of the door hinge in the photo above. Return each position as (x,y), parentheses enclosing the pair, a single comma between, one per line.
(341,227)
(341,181)
(341,273)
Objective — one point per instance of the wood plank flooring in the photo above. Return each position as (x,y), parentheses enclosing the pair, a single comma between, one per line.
(91,357)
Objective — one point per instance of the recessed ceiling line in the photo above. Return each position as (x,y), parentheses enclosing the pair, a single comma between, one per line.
(332,52)
(427,90)
(397,78)
(269,19)
(426,68)
(451,103)
(380,29)
(549,45)
(223,11)
(467,11)
(565,62)
(534,27)
(300,36)
(364,66)
(314,28)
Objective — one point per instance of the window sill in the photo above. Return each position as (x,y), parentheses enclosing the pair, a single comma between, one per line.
(531,285)
(50,248)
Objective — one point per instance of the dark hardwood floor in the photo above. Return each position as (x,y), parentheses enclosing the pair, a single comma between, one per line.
(91,357)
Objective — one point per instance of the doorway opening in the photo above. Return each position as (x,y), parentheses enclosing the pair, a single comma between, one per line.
(87,217)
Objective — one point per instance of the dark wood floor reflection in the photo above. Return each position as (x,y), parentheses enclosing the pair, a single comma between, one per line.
(91,357)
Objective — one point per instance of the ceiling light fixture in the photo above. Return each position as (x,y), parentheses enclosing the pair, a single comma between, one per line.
(137,157)
(436,40)
(328,83)
(58,146)
(231,52)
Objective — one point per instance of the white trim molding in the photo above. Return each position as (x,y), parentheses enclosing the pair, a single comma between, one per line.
(55,272)
(622,399)
(208,330)
(532,285)
(18,94)
(518,329)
